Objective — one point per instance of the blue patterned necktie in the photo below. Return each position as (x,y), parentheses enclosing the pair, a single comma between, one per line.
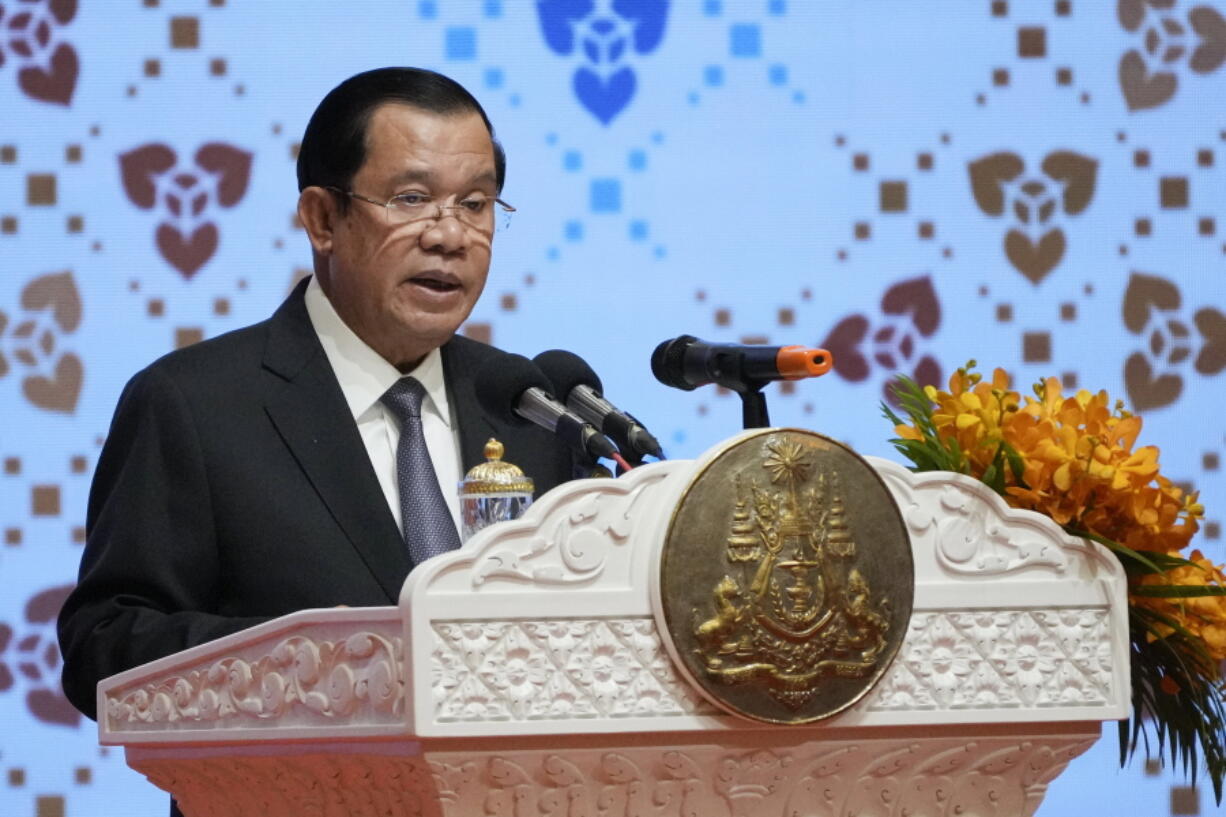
(428,527)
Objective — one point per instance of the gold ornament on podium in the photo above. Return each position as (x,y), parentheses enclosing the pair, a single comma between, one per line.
(492,491)
(786,579)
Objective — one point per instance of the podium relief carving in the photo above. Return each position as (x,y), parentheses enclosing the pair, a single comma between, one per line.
(997,659)
(558,670)
(329,679)
(575,548)
(889,777)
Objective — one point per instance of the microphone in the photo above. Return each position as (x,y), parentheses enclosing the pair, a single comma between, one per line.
(514,390)
(686,363)
(581,388)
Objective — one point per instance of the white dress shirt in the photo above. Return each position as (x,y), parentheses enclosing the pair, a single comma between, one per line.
(364,376)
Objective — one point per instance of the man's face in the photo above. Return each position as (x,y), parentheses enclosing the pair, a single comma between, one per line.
(405,288)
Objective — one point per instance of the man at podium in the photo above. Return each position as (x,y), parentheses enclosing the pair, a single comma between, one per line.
(311,460)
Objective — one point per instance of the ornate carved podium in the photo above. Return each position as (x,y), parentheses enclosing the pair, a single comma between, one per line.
(529,673)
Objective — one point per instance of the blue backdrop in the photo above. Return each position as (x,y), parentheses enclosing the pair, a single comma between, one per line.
(1037,184)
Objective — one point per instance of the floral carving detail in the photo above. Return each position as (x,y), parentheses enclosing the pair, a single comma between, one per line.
(52,307)
(1149,73)
(910,313)
(577,548)
(1000,658)
(548,670)
(1152,309)
(183,196)
(926,775)
(47,67)
(1034,203)
(327,679)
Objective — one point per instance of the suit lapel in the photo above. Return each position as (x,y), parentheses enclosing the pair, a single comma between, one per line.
(461,363)
(533,450)
(310,413)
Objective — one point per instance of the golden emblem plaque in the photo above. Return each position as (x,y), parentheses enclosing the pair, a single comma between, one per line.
(786,577)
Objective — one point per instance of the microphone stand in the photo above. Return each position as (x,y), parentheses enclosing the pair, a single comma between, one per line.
(753,407)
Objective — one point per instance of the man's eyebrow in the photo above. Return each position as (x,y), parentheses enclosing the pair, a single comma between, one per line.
(413,175)
(427,176)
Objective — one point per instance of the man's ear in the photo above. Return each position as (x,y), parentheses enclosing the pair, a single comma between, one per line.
(317,212)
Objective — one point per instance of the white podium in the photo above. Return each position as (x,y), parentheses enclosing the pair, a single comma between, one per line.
(525,675)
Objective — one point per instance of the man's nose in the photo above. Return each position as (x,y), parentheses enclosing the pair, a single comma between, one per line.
(445,234)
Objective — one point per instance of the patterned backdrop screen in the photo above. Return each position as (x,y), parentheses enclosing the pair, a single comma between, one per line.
(1036,184)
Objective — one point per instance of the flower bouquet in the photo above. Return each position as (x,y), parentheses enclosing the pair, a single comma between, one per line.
(1073,459)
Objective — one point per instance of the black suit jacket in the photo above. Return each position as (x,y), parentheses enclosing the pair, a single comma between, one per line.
(234,487)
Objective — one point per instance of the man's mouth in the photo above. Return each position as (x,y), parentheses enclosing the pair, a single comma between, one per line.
(436,281)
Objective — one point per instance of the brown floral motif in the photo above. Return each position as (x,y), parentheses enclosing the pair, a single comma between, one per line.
(1036,203)
(47,68)
(1152,309)
(910,311)
(1149,74)
(183,196)
(35,656)
(52,307)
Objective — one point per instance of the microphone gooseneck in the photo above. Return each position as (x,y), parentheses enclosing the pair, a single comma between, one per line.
(580,387)
(513,389)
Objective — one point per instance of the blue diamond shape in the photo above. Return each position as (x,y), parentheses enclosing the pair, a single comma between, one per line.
(460,43)
(745,40)
(606,196)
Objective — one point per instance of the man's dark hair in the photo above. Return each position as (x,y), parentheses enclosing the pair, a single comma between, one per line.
(334,144)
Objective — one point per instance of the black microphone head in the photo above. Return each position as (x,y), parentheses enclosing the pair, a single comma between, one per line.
(501,381)
(668,362)
(566,370)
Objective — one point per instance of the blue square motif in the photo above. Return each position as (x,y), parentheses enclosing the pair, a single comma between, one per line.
(427,9)
(493,9)
(638,230)
(606,196)
(572,160)
(777,7)
(778,74)
(745,40)
(637,160)
(713,75)
(712,8)
(574,231)
(493,77)
(460,43)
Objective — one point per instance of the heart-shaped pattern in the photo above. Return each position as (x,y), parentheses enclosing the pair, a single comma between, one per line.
(604,98)
(59,292)
(1211,27)
(1144,292)
(190,254)
(1034,261)
(55,84)
(63,10)
(1141,88)
(1131,13)
(1212,327)
(843,343)
(917,298)
(51,706)
(59,392)
(232,165)
(139,166)
(1144,389)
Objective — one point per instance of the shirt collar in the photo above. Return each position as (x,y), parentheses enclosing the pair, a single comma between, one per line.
(363,373)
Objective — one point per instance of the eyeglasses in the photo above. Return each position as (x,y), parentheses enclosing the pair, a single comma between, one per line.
(477,211)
